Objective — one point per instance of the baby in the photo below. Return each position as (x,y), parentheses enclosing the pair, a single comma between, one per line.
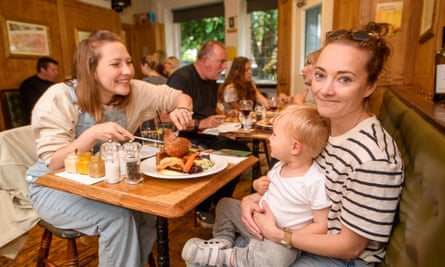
(293,189)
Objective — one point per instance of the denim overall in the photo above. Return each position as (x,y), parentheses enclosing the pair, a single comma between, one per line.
(126,237)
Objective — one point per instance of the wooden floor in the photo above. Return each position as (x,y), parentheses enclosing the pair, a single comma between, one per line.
(180,230)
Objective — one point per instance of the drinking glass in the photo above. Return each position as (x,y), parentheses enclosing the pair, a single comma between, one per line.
(245,107)
(149,130)
(273,104)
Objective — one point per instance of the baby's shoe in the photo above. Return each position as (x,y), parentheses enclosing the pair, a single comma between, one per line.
(213,252)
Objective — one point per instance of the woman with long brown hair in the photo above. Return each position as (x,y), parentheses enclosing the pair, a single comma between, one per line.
(98,103)
(237,86)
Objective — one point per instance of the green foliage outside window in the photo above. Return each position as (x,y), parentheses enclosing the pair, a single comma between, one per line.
(194,33)
(263,40)
(264,36)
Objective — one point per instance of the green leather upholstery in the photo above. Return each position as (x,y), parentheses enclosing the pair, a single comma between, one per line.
(11,106)
(418,238)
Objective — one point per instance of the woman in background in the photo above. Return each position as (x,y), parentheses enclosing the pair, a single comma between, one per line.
(170,65)
(237,86)
(148,68)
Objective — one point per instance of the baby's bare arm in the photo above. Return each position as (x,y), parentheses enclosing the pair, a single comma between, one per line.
(261,184)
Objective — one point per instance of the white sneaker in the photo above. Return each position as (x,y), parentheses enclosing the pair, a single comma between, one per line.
(211,252)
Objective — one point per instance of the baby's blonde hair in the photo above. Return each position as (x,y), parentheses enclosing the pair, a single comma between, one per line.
(306,125)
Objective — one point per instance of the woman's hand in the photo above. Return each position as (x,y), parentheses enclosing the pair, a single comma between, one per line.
(261,184)
(249,206)
(85,142)
(212,121)
(106,131)
(283,98)
(233,113)
(265,221)
(181,116)
(300,98)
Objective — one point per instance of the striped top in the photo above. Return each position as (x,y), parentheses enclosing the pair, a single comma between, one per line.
(364,179)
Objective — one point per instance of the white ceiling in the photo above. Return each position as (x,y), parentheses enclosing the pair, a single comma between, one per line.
(180,4)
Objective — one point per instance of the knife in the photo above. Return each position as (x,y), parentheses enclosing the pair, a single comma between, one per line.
(149,139)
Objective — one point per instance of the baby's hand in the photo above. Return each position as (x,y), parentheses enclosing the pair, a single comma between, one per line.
(261,184)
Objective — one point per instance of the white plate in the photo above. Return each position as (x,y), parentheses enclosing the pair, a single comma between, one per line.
(148,167)
(261,123)
(148,151)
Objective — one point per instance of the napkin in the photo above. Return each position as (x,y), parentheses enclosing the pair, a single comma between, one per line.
(223,128)
(230,159)
(81,178)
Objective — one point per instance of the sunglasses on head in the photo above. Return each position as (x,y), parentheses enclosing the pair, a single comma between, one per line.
(355,35)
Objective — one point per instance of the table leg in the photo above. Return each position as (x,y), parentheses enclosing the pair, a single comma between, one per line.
(256,169)
(162,230)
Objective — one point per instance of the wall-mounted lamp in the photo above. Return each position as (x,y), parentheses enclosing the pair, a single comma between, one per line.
(119,5)
(301,3)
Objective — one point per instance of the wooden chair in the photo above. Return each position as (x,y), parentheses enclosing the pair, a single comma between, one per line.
(17,154)
(71,249)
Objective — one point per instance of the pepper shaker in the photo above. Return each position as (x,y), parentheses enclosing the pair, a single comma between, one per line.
(132,156)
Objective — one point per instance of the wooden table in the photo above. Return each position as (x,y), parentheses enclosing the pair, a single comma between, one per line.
(166,198)
(256,135)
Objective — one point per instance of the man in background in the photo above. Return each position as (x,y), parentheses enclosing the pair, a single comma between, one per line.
(198,80)
(33,87)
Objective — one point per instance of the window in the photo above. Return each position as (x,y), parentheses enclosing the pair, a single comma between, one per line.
(197,25)
(194,33)
(312,29)
(263,45)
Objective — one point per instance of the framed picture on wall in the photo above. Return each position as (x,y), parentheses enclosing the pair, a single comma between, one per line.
(26,38)
(427,20)
(81,34)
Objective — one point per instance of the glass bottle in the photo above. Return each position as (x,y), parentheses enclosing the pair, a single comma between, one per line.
(71,162)
(82,163)
(439,86)
(96,167)
(132,157)
(110,154)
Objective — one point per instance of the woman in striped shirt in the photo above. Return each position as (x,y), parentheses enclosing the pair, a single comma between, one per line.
(363,167)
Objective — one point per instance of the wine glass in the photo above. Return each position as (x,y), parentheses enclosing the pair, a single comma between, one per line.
(245,107)
(273,104)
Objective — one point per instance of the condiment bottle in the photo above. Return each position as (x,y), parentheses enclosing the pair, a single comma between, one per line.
(82,163)
(132,157)
(71,162)
(110,154)
(96,167)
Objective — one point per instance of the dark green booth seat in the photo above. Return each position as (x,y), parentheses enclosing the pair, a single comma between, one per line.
(418,238)
(12,109)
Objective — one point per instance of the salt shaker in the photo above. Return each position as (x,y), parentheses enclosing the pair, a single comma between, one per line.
(110,154)
(132,157)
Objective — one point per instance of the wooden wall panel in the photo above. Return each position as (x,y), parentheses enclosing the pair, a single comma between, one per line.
(62,17)
(285,27)
(15,69)
(86,18)
(411,63)
(148,38)
(423,76)
(346,14)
